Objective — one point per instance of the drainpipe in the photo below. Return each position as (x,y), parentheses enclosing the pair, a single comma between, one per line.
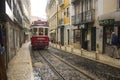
(57,22)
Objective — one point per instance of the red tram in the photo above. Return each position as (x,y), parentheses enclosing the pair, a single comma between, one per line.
(39,38)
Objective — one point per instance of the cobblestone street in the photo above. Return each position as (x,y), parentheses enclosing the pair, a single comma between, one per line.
(56,70)
(21,68)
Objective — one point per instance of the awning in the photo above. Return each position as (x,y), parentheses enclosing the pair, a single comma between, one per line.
(113,15)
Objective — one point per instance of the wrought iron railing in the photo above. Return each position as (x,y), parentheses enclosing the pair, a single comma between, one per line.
(73,1)
(61,21)
(61,2)
(73,20)
(77,19)
(84,17)
(89,16)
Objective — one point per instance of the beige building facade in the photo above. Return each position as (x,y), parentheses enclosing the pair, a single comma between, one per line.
(51,10)
(109,21)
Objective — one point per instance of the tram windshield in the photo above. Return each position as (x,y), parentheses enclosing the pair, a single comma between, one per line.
(39,31)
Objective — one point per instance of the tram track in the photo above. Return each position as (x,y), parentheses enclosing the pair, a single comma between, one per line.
(38,57)
(89,76)
(74,67)
(36,71)
(52,67)
(62,69)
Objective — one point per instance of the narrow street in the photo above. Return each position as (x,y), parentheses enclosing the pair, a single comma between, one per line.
(60,40)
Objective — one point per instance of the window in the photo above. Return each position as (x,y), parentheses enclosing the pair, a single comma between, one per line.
(67,12)
(91,4)
(119,4)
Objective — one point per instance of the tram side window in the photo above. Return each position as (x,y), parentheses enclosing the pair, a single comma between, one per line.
(34,31)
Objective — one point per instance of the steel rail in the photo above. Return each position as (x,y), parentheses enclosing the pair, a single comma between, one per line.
(33,55)
(76,68)
(52,67)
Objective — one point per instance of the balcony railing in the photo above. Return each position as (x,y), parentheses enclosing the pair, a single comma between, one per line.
(73,1)
(84,17)
(89,16)
(61,2)
(73,20)
(77,19)
(61,21)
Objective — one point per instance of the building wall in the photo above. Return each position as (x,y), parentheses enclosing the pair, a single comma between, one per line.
(62,16)
(109,6)
(105,10)
(51,10)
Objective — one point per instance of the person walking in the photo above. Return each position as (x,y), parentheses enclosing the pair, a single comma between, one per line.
(115,43)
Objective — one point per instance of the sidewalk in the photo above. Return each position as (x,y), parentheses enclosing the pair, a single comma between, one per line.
(20,67)
(90,55)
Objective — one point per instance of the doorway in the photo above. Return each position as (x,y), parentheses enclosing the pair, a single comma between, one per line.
(93,38)
(68,32)
(62,36)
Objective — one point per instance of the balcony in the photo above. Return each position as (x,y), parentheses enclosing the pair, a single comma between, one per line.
(61,21)
(73,20)
(89,16)
(61,2)
(77,19)
(84,17)
(73,1)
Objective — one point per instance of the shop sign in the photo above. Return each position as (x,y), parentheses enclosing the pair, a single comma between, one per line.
(106,22)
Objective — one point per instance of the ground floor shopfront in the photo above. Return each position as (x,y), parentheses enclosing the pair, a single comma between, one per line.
(109,23)
(107,34)
(11,39)
(65,35)
(53,36)
(85,36)
(61,35)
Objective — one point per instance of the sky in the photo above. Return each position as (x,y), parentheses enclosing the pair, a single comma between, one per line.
(38,8)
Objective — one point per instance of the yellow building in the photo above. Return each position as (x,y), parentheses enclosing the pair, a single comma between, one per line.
(64,21)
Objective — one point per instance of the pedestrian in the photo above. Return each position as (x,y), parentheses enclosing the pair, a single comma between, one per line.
(3,74)
(115,42)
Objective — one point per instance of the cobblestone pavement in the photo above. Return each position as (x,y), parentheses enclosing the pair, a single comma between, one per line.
(56,70)
(68,72)
(41,70)
(20,67)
